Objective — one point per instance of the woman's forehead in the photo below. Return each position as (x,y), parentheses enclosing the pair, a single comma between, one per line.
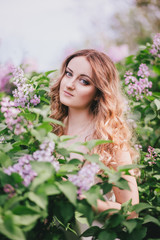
(80,65)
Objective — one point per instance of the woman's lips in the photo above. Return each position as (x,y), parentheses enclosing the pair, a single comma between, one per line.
(68,94)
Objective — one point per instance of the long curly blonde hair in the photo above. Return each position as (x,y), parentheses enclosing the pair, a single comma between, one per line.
(108,110)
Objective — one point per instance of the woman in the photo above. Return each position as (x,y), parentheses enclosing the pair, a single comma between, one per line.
(88,99)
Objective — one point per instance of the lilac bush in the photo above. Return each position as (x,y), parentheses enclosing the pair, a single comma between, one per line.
(5,76)
(24,168)
(138,87)
(155,50)
(24,93)
(46,206)
(14,122)
(151,156)
(85,177)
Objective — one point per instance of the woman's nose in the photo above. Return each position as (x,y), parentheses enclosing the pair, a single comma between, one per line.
(71,83)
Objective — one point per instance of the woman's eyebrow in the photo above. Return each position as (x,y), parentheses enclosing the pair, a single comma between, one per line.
(80,74)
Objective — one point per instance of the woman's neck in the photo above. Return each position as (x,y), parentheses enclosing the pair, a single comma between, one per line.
(78,121)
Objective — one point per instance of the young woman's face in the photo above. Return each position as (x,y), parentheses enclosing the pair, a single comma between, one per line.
(76,87)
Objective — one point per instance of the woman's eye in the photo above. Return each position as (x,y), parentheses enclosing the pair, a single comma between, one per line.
(85,82)
(68,74)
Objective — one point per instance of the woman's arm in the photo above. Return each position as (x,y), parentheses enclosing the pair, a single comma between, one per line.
(123,158)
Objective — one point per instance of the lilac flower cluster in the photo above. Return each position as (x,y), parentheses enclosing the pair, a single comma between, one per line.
(138,87)
(24,93)
(9,189)
(138,147)
(151,155)
(85,177)
(155,50)
(14,122)
(23,166)
(5,76)
(45,154)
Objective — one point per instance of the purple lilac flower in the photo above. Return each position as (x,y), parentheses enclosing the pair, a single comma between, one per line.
(155,50)
(5,76)
(151,155)
(85,177)
(138,87)
(143,71)
(14,122)
(24,93)
(138,147)
(23,166)
(45,154)
(9,189)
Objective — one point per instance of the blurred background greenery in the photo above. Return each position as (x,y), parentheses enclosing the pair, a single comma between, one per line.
(42,33)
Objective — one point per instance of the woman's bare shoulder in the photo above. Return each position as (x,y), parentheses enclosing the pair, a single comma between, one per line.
(123,157)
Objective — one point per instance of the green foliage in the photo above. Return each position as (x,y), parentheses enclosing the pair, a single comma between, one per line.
(50,205)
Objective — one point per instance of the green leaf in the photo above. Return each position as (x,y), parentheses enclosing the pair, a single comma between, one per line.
(105,213)
(8,228)
(29,116)
(66,138)
(130,224)
(149,116)
(40,200)
(93,143)
(45,171)
(68,168)
(129,167)
(39,135)
(16,178)
(46,126)
(63,152)
(114,177)
(41,167)
(116,220)
(157,103)
(90,232)
(75,161)
(84,208)
(25,219)
(107,187)
(156,69)
(93,194)
(12,202)
(139,232)
(156,176)
(49,72)
(54,121)
(106,235)
(6,147)
(92,158)
(49,189)
(2,127)
(67,211)
(3,199)
(122,184)
(141,206)
(149,218)
(81,218)
(69,190)
(5,160)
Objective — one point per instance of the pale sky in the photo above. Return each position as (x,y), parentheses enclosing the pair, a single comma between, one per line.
(45,29)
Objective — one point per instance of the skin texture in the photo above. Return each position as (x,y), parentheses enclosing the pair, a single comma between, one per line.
(77,92)
(77,82)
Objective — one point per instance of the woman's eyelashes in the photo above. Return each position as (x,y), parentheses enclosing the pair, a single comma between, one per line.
(83,81)
(68,73)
